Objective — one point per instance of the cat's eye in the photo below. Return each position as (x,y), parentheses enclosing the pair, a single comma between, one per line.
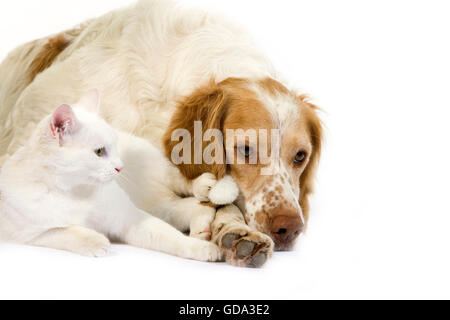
(300,157)
(100,152)
(246,151)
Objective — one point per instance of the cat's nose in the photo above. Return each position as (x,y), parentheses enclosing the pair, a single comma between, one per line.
(119,170)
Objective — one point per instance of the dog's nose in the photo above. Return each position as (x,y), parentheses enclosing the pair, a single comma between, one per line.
(119,170)
(285,229)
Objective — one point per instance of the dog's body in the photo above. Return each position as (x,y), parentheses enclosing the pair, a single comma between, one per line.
(160,68)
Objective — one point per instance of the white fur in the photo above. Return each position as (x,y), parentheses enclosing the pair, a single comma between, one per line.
(224,192)
(57,192)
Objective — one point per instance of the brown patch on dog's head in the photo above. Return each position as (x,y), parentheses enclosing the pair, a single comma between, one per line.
(208,105)
(47,55)
(273,87)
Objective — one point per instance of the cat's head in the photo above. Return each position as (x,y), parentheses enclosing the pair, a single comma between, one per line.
(83,146)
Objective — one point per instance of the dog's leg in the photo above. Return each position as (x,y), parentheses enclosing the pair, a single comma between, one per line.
(242,245)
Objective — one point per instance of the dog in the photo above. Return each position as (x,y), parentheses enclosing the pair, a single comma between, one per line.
(162,68)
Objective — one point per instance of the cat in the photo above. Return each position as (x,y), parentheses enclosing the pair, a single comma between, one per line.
(60,191)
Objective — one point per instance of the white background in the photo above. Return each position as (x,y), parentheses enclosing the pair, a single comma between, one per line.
(380,223)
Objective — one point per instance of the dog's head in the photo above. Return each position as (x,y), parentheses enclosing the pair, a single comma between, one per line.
(266,137)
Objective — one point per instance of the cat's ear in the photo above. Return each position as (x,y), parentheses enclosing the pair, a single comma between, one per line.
(63,122)
(90,101)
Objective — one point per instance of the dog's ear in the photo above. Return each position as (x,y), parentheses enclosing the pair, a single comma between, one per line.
(316,133)
(207,106)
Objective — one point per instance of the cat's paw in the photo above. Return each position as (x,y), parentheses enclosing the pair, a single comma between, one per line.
(93,245)
(203,185)
(200,227)
(204,234)
(204,251)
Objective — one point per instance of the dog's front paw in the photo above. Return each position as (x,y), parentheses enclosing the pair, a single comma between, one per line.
(248,248)
(203,185)
(245,247)
(242,245)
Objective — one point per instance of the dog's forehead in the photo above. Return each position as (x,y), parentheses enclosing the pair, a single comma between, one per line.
(281,104)
(252,114)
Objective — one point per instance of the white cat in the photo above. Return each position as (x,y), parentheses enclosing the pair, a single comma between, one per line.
(59,191)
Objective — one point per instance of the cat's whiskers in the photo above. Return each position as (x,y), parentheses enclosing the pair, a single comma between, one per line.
(128,181)
(125,178)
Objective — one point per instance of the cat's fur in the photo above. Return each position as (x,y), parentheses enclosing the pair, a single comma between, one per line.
(59,191)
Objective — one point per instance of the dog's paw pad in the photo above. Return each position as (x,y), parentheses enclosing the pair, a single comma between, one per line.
(258,261)
(229,239)
(245,248)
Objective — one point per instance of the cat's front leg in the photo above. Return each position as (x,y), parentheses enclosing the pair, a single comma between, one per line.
(200,226)
(75,239)
(154,234)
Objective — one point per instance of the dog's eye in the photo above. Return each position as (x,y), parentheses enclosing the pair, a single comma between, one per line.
(246,151)
(300,157)
(100,152)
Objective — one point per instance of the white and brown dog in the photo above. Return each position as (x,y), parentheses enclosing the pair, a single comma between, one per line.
(161,68)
